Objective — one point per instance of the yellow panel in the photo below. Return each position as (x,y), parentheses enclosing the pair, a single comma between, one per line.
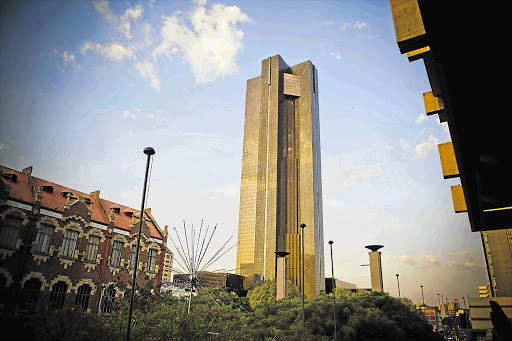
(459,203)
(448,160)
(433,105)
(409,30)
(418,54)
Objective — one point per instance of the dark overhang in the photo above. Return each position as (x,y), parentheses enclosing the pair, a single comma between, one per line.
(468,71)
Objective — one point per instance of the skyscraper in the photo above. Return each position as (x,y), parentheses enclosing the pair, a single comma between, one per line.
(281,185)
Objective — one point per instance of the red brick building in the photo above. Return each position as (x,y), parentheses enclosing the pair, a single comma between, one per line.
(63,248)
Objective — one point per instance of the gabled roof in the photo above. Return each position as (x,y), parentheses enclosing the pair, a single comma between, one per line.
(54,199)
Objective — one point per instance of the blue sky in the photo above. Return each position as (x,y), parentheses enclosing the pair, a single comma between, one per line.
(87,85)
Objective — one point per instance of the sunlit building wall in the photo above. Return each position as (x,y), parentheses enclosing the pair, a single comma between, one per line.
(281,176)
(497,246)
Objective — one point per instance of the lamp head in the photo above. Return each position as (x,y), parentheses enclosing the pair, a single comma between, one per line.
(374,247)
(149,151)
(302,225)
(330,242)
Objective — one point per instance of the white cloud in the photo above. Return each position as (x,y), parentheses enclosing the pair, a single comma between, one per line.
(420,119)
(114,51)
(338,56)
(406,259)
(128,114)
(210,45)
(361,24)
(445,128)
(102,7)
(147,71)
(149,116)
(200,2)
(131,14)
(431,259)
(68,58)
(122,23)
(421,149)
(467,265)
(357,25)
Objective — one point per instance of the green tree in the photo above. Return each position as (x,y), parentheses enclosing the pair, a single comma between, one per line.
(266,292)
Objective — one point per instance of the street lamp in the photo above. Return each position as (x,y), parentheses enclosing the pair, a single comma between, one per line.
(423,300)
(148,151)
(422,297)
(333,292)
(398,282)
(400,298)
(303,285)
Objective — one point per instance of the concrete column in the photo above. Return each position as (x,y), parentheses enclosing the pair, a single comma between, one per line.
(281,278)
(281,274)
(375,267)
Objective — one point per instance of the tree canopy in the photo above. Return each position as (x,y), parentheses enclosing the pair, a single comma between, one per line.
(220,315)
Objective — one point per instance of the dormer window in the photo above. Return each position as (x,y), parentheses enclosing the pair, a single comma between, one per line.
(65,193)
(116,209)
(10,176)
(47,188)
(128,213)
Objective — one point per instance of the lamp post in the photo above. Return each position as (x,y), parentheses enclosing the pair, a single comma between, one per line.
(400,298)
(303,285)
(333,293)
(439,308)
(398,282)
(148,151)
(423,300)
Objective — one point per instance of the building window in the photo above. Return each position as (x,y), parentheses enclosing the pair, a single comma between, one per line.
(152,260)
(107,302)
(58,295)
(117,250)
(69,243)
(82,296)
(43,238)
(92,248)
(132,255)
(9,231)
(30,294)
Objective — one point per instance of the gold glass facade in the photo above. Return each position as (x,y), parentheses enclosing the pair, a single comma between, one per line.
(281,176)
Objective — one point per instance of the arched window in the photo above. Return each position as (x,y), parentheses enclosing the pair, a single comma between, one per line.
(58,295)
(107,302)
(82,296)
(30,293)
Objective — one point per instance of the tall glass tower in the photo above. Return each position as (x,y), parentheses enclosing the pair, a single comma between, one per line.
(281,185)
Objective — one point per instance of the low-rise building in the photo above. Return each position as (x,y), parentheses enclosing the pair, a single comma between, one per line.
(167,266)
(60,247)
